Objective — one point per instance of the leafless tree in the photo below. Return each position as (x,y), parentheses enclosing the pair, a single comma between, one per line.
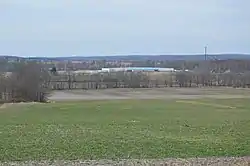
(182,78)
(29,82)
(2,86)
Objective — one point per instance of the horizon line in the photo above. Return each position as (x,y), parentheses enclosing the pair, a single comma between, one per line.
(122,55)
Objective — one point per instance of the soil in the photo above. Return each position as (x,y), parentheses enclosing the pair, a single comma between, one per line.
(156,93)
(222,161)
(7,105)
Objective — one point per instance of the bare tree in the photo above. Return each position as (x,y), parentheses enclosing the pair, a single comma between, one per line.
(2,86)
(29,82)
(182,79)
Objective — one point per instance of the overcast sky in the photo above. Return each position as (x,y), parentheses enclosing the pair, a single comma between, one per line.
(111,27)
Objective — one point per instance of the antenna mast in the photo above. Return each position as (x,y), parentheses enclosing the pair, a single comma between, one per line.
(205,53)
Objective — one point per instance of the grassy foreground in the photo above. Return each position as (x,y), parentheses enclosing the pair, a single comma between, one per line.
(125,129)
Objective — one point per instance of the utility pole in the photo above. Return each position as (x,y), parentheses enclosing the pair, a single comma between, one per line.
(205,58)
(205,53)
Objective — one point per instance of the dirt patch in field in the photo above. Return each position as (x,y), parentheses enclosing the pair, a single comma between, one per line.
(9,105)
(2,106)
(232,161)
(155,93)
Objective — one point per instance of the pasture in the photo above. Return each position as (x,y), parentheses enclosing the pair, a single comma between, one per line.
(125,129)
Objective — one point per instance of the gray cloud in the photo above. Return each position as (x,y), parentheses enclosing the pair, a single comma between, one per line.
(61,27)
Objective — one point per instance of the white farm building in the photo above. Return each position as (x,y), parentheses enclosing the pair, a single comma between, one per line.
(138,69)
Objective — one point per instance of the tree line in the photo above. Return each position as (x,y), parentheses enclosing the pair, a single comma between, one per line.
(150,80)
(216,65)
(31,81)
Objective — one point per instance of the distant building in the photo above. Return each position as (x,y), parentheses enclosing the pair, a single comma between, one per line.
(139,69)
(124,69)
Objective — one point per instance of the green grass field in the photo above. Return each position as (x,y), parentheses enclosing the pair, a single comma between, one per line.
(123,129)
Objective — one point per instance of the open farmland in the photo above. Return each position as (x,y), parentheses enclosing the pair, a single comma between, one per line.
(151,93)
(128,129)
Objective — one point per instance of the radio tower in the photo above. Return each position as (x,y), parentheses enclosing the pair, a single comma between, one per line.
(205,53)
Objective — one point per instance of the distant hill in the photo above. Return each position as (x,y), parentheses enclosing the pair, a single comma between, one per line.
(140,57)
